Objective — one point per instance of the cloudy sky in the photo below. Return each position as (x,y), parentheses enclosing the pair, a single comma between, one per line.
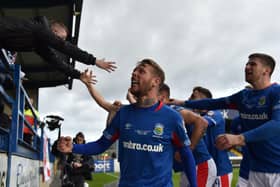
(198,42)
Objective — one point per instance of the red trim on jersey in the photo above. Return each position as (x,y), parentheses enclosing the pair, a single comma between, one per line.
(159,106)
(202,174)
(115,136)
(224,181)
(176,140)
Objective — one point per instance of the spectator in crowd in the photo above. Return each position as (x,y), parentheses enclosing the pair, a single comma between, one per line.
(79,167)
(59,29)
(18,34)
(29,117)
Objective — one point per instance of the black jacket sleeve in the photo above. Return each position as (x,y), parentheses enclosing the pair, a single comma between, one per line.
(26,35)
(66,47)
(58,61)
(46,37)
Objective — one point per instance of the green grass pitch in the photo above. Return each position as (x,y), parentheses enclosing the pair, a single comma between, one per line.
(100,179)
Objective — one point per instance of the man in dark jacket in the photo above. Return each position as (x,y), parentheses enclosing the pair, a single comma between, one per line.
(35,35)
(79,167)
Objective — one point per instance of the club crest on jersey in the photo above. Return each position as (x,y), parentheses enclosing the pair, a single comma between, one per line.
(262,101)
(158,129)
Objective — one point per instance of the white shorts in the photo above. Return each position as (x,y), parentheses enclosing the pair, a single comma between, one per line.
(223,181)
(242,182)
(261,179)
(206,174)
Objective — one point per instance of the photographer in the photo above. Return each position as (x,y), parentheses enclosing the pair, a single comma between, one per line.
(79,167)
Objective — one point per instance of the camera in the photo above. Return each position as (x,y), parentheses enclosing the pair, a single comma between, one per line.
(53,121)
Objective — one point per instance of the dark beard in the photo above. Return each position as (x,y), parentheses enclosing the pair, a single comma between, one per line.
(149,102)
(139,94)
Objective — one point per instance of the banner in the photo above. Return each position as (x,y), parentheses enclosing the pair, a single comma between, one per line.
(104,166)
(46,162)
(3,168)
(24,172)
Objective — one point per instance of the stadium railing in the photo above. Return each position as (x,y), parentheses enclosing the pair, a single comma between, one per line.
(11,140)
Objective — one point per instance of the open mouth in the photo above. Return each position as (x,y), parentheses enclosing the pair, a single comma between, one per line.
(249,73)
(134,83)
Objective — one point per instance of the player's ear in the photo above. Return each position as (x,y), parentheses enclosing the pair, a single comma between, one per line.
(156,82)
(267,70)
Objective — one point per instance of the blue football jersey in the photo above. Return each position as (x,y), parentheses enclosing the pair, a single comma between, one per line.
(260,116)
(216,126)
(200,152)
(147,140)
(256,107)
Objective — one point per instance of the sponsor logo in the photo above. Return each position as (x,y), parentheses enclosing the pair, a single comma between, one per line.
(251,102)
(262,116)
(100,166)
(127,126)
(143,147)
(142,132)
(26,177)
(2,178)
(104,166)
(107,135)
(276,106)
(210,113)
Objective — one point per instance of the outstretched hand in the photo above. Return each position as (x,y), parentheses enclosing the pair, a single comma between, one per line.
(65,144)
(106,65)
(116,106)
(227,141)
(87,77)
(175,102)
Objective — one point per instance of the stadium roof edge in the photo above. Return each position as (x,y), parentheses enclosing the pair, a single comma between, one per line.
(34,3)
